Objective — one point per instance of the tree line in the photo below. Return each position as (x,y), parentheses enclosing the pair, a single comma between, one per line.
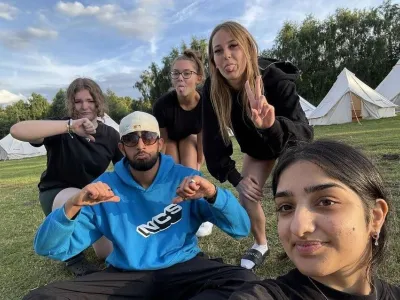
(367,42)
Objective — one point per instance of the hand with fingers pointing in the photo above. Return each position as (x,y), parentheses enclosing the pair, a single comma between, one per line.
(91,194)
(194,187)
(84,128)
(262,113)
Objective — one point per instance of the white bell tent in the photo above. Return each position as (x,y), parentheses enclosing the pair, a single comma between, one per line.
(349,100)
(307,107)
(390,86)
(11,148)
(110,122)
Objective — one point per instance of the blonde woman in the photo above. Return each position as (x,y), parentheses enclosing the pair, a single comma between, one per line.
(257,98)
(79,149)
(178,113)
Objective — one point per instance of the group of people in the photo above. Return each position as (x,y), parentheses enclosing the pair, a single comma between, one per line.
(143,217)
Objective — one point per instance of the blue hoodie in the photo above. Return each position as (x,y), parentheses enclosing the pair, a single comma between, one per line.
(148,232)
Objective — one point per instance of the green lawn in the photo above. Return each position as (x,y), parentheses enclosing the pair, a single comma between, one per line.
(22,270)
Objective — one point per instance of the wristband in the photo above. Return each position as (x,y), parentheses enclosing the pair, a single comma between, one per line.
(69,130)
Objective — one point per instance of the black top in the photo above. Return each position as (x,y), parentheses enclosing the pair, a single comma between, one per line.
(75,162)
(290,127)
(179,123)
(296,286)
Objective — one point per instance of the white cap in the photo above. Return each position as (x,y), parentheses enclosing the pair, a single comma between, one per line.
(138,121)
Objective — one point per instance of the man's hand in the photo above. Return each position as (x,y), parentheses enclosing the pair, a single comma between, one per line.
(194,187)
(91,194)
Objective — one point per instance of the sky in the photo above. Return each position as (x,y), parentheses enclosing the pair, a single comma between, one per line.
(46,44)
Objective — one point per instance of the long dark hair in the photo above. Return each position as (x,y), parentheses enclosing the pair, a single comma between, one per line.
(349,166)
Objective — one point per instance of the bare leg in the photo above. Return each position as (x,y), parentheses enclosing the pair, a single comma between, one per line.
(188,151)
(103,247)
(260,170)
(171,148)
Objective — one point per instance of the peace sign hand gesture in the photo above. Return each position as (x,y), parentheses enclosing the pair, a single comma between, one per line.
(262,113)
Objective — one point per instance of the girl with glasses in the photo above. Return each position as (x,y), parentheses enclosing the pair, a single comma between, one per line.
(257,98)
(332,210)
(178,113)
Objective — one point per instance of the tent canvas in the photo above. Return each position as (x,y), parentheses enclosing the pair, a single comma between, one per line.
(390,86)
(110,122)
(307,107)
(11,148)
(351,99)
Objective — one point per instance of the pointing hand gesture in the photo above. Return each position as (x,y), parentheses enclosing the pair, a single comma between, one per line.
(262,113)
(92,194)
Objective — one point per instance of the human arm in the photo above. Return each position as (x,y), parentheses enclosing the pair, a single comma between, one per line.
(217,154)
(70,229)
(34,131)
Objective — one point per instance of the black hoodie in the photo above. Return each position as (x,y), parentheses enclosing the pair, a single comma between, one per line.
(290,127)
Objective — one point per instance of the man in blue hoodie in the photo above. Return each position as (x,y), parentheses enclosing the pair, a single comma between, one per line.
(150,208)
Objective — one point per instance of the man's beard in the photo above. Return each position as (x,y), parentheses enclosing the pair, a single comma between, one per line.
(143,164)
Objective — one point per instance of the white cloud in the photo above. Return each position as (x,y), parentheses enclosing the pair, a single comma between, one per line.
(7,11)
(254,11)
(21,39)
(7,97)
(42,33)
(77,9)
(44,74)
(143,22)
(186,12)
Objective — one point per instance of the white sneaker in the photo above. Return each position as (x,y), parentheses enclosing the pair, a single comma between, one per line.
(204,229)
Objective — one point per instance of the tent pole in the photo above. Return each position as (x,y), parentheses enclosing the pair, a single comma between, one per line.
(354,110)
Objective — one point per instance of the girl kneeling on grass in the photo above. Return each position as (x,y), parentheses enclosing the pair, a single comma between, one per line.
(332,211)
(79,149)
(178,113)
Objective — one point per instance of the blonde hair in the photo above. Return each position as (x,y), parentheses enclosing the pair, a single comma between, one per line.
(95,91)
(195,57)
(220,94)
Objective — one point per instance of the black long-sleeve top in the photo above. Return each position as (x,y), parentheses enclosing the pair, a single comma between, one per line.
(290,127)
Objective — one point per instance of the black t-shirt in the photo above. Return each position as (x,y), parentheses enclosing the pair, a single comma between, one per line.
(296,286)
(75,162)
(179,123)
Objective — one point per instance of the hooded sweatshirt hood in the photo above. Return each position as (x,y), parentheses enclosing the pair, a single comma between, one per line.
(273,70)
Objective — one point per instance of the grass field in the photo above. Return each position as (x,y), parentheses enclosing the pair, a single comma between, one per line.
(22,270)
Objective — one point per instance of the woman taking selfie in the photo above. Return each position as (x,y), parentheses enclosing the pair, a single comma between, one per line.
(332,208)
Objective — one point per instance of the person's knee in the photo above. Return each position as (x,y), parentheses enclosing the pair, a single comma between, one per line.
(63,196)
(188,151)
(103,248)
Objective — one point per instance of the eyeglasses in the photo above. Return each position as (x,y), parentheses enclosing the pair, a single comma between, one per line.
(185,74)
(132,139)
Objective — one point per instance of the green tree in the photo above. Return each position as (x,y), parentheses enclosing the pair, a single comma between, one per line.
(58,107)
(367,42)
(118,107)
(39,107)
